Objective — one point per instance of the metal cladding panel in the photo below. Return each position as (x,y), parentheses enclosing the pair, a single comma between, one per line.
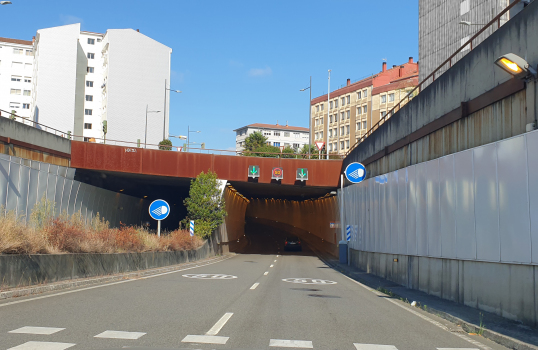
(377,217)
(514,220)
(386,211)
(371,215)
(81,198)
(382,218)
(44,167)
(422,209)
(24,180)
(89,203)
(402,212)
(13,192)
(465,225)
(393,203)
(486,203)
(51,187)
(434,215)
(411,184)
(33,185)
(53,169)
(4,181)
(68,187)
(447,204)
(72,197)
(532,159)
(62,171)
(42,185)
(58,194)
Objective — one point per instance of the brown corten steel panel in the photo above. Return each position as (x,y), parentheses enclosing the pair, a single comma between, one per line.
(85,155)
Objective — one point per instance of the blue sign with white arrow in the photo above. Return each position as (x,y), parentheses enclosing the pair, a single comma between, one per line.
(355,172)
(159,209)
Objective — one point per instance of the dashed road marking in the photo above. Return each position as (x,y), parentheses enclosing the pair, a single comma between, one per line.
(271,265)
(277,256)
(275,260)
(457,349)
(254,285)
(374,347)
(205,339)
(37,330)
(266,273)
(120,335)
(42,345)
(282,343)
(220,323)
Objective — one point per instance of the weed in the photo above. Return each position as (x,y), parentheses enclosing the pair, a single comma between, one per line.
(482,326)
(386,291)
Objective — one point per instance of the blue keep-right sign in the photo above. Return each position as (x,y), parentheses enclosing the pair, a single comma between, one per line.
(355,172)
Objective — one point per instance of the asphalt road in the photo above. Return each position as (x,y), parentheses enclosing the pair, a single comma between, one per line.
(250,307)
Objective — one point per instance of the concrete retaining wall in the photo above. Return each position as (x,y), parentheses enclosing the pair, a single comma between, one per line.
(508,290)
(25,270)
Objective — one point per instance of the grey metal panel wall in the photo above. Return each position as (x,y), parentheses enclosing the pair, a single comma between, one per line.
(478,204)
(4,178)
(13,192)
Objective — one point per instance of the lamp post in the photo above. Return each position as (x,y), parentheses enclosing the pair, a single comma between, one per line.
(189,134)
(181,137)
(309,88)
(328,103)
(146,132)
(166,89)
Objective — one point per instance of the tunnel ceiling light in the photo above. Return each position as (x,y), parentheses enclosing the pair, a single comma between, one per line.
(515,65)
(145,196)
(333,192)
(122,190)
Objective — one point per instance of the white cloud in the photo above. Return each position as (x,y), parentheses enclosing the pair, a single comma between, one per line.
(260,72)
(69,19)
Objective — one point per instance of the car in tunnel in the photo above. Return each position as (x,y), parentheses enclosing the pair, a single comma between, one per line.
(292,243)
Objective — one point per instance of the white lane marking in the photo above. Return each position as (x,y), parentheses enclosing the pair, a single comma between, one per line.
(111,284)
(119,335)
(275,260)
(271,265)
(457,349)
(266,273)
(209,276)
(277,256)
(374,347)
(42,345)
(205,339)
(37,330)
(308,281)
(462,336)
(282,343)
(220,323)
(254,285)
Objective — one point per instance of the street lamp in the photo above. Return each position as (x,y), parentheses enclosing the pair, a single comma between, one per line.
(181,137)
(146,133)
(166,89)
(189,134)
(467,23)
(516,66)
(309,116)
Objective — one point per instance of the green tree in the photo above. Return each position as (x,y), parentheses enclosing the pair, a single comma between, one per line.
(254,141)
(13,114)
(205,204)
(314,152)
(288,152)
(263,150)
(165,145)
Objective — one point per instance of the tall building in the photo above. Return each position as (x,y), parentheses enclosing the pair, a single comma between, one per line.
(441,32)
(277,135)
(16,58)
(82,79)
(353,109)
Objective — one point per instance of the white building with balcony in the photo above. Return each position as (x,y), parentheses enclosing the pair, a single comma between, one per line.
(277,135)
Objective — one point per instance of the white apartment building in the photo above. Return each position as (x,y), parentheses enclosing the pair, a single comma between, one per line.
(81,79)
(16,58)
(277,135)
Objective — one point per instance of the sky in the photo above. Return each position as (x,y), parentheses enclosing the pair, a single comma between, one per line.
(243,62)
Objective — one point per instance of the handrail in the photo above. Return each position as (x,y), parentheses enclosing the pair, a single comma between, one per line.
(24,120)
(432,75)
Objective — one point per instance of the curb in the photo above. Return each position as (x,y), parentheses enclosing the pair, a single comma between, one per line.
(91,281)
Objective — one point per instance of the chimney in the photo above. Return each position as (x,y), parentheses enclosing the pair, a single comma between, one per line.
(138,30)
(277,122)
(400,71)
(384,67)
(348,82)
(393,66)
(286,123)
(33,39)
(410,59)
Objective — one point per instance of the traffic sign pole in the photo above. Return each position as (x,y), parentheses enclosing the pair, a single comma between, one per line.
(159,228)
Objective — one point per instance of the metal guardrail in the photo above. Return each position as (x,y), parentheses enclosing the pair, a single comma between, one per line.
(36,125)
(496,19)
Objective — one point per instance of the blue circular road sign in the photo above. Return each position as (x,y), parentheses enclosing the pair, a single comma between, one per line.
(159,209)
(355,172)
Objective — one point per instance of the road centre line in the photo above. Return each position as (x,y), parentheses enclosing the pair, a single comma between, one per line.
(254,285)
(275,260)
(220,323)
(266,273)
(271,265)
(110,284)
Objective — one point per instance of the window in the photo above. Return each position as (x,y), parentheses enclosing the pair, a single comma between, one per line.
(28,66)
(334,146)
(27,79)
(342,116)
(98,40)
(296,135)
(330,133)
(331,147)
(286,145)
(343,101)
(17,51)
(331,104)
(341,145)
(89,83)
(359,110)
(383,113)
(88,112)
(266,133)
(464,7)
(26,93)
(335,132)
(383,98)
(364,124)
(276,144)
(90,70)
(316,137)
(321,135)
(321,120)
(347,129)
(348,99)
(276,133)
(358,127)
(359,95)
(87,126)
(391,98)
(15,91)
(29,53)
(336,103)
(342,131)
(286,134)
(364,93)
(17,65)
(91,41)
(348,114)
(89,97)
(91,56)
(347,144)
(14,105)
(322,106)
(86,139)
(25,106)
(295,146)
(317,108)
(15,78)
(331,119)
(364,109)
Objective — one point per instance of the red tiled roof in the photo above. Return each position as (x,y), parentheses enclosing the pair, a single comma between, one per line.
(275,126)
(16,41)
(398,84)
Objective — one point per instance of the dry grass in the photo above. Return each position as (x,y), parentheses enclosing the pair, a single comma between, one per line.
(47,234)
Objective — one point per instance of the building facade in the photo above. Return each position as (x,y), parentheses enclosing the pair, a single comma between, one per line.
(441,32)
(16,60)
(277,135)
(355,108)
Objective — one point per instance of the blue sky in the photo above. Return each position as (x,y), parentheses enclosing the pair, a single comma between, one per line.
(243,62)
